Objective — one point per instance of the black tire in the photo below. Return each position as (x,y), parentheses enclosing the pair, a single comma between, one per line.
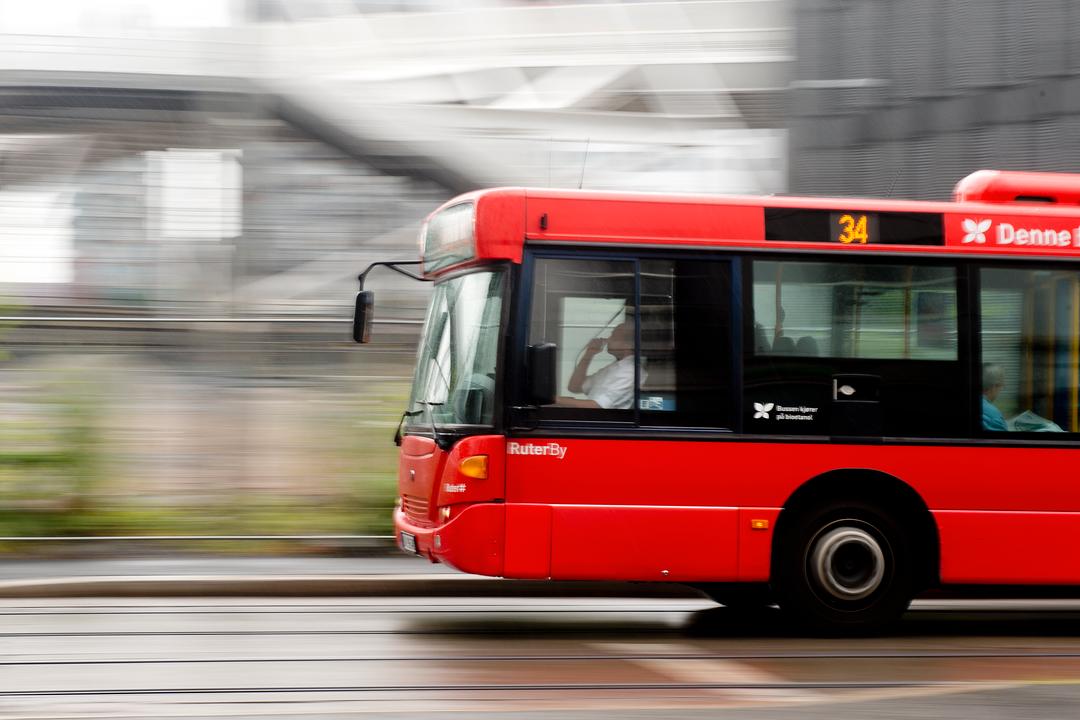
(843,566)
(739,596)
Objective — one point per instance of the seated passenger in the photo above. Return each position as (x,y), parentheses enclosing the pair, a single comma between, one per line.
(992,382)
(761,343)
(612,386)
(806,346)
(783,345)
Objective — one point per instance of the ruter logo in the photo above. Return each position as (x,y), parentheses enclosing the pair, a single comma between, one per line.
(975,231)
(551,449)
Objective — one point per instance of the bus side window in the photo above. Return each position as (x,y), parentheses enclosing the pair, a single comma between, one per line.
(684,325)
(686,328)
(586,308)
(1029,340)
(886,332)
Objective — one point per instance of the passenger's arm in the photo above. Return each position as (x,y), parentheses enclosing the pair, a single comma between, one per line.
(578,376)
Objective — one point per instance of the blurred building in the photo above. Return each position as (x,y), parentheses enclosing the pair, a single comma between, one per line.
(250,158)
(905,97)
(188,190)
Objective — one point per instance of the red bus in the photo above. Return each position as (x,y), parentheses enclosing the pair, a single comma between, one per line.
(831,404)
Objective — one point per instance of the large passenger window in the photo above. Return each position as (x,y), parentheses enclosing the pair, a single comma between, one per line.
(1030,350)
(853,310)
(854,349)
(637,340)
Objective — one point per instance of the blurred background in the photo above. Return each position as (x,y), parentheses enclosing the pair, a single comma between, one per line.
(188,190)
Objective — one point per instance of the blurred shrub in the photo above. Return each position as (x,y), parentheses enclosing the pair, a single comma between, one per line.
(49,460)
(64,472)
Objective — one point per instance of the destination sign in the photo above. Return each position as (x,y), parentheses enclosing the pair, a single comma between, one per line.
(1014,233)
(853,227)
(449,237)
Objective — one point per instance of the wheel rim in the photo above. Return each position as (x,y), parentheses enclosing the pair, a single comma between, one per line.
(848,563)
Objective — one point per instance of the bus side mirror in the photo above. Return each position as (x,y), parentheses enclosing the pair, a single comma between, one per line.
(541,364)
(365,308)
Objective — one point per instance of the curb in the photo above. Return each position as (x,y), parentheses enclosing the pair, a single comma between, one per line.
(167,586)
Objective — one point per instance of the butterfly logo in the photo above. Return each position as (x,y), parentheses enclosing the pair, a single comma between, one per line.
(975,232)
(762,410)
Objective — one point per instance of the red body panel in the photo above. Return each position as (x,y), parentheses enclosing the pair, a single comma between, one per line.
(688,221)
(755,544)
(740,222)
(1009,547)
(997,186)
(457,489)
(528,541)
(418,470)
(619,542)
(764,474)
(604,512)
(429,478)
(471,542)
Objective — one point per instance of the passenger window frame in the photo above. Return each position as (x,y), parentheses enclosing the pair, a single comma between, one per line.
(774,377)
(553,415)
(526,417)
(1019,265)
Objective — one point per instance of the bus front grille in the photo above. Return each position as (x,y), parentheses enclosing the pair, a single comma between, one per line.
(416,509)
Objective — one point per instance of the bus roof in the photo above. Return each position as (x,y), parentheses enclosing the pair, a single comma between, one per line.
(998,213)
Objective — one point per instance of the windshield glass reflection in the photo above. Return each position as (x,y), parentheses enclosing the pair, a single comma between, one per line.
(456,360)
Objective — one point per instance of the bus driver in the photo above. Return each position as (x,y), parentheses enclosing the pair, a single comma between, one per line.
(612,386)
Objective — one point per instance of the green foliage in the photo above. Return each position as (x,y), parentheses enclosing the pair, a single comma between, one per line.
(54,481)
(49,462)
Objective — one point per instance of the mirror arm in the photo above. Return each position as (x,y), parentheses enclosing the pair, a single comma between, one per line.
(365,300)
(393,265)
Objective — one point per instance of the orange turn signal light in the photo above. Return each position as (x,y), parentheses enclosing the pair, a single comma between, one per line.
(758,524)
(475,467)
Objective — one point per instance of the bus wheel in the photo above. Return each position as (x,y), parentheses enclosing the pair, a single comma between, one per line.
(844,566)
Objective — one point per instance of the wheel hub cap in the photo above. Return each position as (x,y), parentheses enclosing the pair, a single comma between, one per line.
(848,563)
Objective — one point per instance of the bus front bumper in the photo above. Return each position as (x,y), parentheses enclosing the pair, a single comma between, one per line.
(470,541)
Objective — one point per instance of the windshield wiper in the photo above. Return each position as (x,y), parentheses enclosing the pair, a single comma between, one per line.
(434,427)
(427,405)
(435,434)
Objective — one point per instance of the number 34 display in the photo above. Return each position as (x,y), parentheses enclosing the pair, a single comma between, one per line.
(854,228)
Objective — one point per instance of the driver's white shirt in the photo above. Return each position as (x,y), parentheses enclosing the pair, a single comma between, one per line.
(612,386)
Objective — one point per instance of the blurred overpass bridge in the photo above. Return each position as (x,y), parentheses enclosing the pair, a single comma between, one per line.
(686,96)
(663,96)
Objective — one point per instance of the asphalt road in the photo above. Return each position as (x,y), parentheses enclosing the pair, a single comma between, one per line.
(519,657)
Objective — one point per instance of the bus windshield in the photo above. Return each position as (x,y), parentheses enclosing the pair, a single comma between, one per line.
(455,364)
